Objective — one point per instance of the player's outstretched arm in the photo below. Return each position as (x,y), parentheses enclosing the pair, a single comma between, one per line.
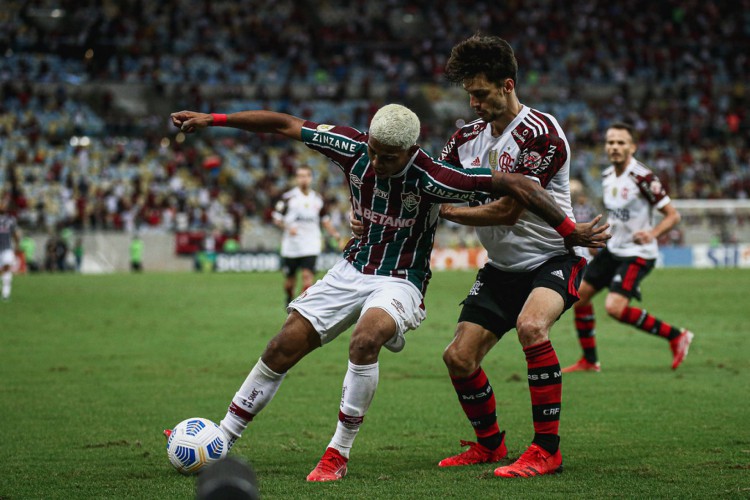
(259,121)
(534,197)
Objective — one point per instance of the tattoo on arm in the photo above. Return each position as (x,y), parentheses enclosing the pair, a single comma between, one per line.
(542,204)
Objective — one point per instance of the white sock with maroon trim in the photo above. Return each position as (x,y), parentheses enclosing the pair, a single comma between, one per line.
(359,387)
(256,392)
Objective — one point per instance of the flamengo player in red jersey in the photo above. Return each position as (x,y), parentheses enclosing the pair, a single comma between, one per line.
(631,192)
(396,190)
(531,277)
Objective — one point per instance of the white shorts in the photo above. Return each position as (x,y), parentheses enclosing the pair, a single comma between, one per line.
(7,258)
(337,301)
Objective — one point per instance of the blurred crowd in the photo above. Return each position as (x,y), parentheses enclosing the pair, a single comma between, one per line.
(678,70)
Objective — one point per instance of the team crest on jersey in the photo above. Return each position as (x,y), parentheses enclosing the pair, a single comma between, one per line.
(356,181)
(323,127)
(655,186)
(505,163)
(410,201)
(532,161)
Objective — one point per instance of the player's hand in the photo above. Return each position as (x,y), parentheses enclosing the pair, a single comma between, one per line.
(190,121)
(643,237)
(358,227)
(445,210)
(587,234)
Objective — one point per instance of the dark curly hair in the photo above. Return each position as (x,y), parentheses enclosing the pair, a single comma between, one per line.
(482,54)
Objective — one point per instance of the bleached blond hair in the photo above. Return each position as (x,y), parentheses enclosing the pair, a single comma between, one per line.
(395,125)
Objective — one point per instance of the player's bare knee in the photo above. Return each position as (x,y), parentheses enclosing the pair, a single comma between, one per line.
(614,306)
(364,348)
(458,362)
(531,330)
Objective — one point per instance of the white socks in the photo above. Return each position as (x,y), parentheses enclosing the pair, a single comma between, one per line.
(360,384)
(256,392)
(7,278)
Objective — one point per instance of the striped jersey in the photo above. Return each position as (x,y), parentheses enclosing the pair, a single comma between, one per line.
(303,213)
(7,228)
(400,213)
(629,199)
(532,144)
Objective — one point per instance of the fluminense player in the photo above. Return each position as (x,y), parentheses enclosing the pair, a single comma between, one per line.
(396,189)
(299,213)
(8,237)
(631,192)
(531,277)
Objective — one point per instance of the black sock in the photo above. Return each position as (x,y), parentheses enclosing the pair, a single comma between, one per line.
(550,442)
(492,442)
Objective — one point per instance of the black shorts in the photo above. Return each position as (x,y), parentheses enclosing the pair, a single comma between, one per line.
(497,297)
(290,265)
(622,275)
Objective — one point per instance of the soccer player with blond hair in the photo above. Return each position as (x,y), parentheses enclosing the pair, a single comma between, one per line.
(396,190)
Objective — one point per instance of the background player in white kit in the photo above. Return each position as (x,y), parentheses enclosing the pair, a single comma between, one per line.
(8,236)
(299,213)
(531,277)
(396,190)
(630,192)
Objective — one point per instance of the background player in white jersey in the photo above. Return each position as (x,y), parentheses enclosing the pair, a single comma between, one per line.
(299,213)
(531,277)
(631,192)
(379,286)
(8,237)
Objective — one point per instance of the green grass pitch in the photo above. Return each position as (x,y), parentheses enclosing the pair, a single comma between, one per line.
(92,368)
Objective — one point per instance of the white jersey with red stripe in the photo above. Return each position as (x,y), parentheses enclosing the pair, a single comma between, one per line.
(532,144)
(630,199)
(301,214)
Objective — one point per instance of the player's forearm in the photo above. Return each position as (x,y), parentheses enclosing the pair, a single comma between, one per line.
(482,215)
(666,224)
(529,194)
(261,121)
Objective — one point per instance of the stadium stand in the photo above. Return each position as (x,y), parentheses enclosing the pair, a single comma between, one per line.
(86,88)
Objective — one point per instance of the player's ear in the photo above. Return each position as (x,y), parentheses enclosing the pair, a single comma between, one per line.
(509,85)
(413,149)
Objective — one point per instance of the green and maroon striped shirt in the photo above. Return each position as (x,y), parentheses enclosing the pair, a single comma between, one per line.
(400,213)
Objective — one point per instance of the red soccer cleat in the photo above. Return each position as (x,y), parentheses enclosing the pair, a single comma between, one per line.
(167,433)
(583,365)
(331,467)
(535,461)
(476,454)
(680,346)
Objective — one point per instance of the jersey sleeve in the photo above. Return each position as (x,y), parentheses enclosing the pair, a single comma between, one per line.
(542,157)
(442,182)
(651,188)
(343,145)
(449,154)
(279,210)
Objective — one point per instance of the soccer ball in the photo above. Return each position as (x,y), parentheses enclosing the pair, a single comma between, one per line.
(195,443)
